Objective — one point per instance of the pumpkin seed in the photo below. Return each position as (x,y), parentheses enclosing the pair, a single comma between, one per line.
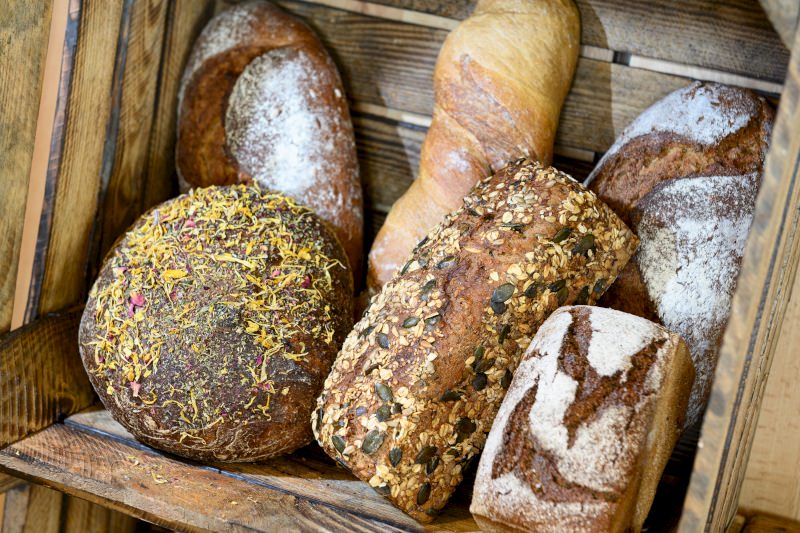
(431,465)
(426,289)
(504,331)
(562,234)
(397,409)
(383,340)
(450,396)
(513,226)
(557,285)
(600,286)
(338,443)
(583,296)
(505,381)
(372,441)
(422,241)
(562,295)
(431,321)
(464,428)
(431,511)
(319,418)
(383,490)
(424,493)
(447,262)
(473,212)
(484,365)
(479,382)
(405,267)
(410,322)
(361,411)
(395,454)
(423,262)
(584,245)
(425,454)
(366,331)
(533,289)
(503,292)
(498,307)
(383,413)
(384,392)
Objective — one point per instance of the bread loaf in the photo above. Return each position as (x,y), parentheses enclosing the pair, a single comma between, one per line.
(685,175)
(214,322)
(415,388)
(587,426)
(500,80)
(261,100)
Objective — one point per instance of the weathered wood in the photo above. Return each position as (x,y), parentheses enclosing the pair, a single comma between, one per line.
(41,376)
(84,136)
(733,36)
(761,523)
(15,509)
(737,524)
(24,31)
(167,491)
(82,516)
(784,16)
(772,483)
(308,474)
(185,20)
(7,483)
(765,282)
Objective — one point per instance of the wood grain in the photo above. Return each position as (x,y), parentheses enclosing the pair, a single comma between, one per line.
(81,516)
(88,110)
(772,480)
(764,286)
(185,20)
(41,376)
(24,31)
(784,16)
(761,523)
(167,491)
(733,36)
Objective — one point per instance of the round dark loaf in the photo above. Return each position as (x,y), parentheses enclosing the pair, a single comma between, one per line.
(413,392)
(214,322)
(684,175)
(261,100)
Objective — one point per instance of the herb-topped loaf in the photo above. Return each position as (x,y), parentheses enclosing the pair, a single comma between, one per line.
(415,389)
(214,322)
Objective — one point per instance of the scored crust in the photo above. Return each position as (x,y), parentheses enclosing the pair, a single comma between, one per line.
(587,426)
(416,385)
(214,322)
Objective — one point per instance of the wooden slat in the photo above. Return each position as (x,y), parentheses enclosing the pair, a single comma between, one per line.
(24,32)
(308,474)
(81,160)
(41,376)
(732,36)
(764,286)
(761,523)
(784,16)
(15,509)
(772,480)
(7,483)
(167,491)
(82,516)
(185,20)
(389,64)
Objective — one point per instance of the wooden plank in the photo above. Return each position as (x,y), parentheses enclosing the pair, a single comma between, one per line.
(16,509)
(733,36)
(44,510)
(41,376)
(82,516)
(7,483)
(167,491)
(761,523)
(784,16)
(737,524)
(24,32)
(185,20)
(138,61)
(88,114)
(765,282)
(772,480)
(389,64)
(308,473)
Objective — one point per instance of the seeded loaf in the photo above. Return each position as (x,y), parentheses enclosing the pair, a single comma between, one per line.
(214,322)
(261,100)
(587,426)
(684,175)
(416,386)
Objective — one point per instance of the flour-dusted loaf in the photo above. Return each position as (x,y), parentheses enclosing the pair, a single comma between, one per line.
(415,388)
(685,175)
(261,100)
(214,322)
(587,426)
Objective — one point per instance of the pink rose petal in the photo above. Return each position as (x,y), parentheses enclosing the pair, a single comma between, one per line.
(137,299)
(135,388)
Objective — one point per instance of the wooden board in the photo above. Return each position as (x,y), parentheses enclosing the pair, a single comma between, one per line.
(767,276)
(24,31)
(733,36)
(41,376)
(784,16)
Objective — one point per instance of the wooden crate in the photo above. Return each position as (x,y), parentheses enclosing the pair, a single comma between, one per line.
(87,102)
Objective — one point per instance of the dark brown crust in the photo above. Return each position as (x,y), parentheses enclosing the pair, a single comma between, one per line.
(202,156)
(449,379)
(216,374)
